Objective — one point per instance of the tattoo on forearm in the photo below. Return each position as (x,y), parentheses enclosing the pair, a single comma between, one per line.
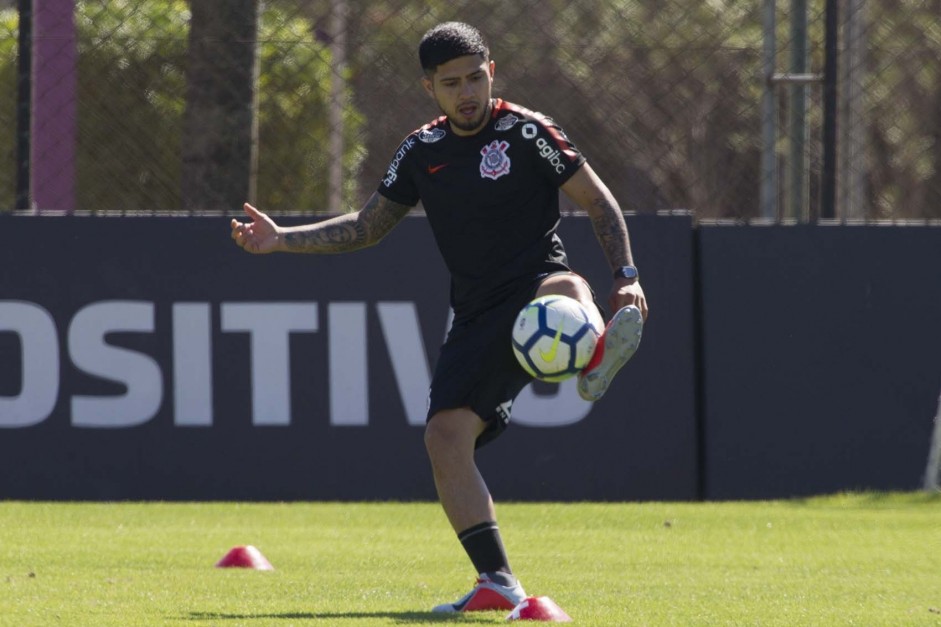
(330,237)
(348,232)
(611,232)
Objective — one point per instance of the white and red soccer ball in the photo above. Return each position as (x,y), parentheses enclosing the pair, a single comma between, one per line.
(553,338)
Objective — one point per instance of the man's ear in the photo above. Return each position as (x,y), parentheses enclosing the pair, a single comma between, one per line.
(429,85)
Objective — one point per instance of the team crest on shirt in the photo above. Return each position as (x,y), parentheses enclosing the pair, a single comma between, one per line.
(495,162)
(506,122)
(430,136)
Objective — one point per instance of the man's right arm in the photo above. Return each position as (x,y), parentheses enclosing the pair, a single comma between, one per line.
(353,231)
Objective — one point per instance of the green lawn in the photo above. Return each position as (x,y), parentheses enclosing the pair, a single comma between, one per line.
(857,559)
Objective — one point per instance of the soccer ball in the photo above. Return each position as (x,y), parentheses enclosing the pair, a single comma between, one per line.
(553,338)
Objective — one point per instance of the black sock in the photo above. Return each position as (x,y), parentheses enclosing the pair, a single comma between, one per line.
(485,549)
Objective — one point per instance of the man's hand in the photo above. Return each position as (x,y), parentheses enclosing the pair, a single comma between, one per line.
(626,292)
(259,236)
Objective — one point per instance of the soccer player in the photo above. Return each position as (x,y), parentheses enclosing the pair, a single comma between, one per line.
(487,173)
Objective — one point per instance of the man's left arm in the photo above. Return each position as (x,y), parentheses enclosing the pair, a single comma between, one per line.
(590,193)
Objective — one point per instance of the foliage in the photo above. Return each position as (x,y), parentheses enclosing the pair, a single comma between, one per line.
(664,98)
(131,98)
(294,90)
(131,60)
(902,93)
(9,25)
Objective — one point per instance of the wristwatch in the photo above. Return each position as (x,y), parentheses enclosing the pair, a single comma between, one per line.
(626,272)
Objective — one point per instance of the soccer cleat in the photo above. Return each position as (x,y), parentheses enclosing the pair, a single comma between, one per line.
(617,345)
(486,595)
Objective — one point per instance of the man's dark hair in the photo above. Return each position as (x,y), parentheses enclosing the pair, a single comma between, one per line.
(450,40)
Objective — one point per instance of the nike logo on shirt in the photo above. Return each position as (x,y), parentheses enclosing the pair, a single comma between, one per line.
(434,168)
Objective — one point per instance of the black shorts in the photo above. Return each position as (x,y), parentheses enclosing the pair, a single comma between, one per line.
(477,368)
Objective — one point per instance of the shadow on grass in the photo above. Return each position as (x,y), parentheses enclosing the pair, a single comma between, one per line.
(399,617)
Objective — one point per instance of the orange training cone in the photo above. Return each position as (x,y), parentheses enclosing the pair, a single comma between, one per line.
(244,557)
(539,608)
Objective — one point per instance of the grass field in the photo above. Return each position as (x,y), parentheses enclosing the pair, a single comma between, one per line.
(855,559)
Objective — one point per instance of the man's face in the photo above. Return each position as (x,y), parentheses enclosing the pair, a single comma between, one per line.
(462,88)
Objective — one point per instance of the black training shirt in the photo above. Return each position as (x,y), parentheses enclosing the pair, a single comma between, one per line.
(492,199)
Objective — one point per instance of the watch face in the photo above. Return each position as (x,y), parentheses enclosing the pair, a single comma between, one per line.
(626,272)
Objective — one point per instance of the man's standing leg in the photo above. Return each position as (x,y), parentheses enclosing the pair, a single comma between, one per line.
(450,438)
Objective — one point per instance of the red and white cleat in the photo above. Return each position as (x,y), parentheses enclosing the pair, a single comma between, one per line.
(486,595)
(618,343)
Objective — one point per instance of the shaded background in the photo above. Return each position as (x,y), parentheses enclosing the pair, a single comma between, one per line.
(165,105)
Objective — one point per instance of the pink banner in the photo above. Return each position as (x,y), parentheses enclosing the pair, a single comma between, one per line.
(54,105)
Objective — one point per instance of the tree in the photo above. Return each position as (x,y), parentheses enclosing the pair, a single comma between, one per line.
(219,121)
(132,65)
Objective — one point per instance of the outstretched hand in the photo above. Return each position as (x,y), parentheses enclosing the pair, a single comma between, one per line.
(259,236)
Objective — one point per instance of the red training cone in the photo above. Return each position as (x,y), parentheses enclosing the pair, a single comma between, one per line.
(244,557)
(539,608)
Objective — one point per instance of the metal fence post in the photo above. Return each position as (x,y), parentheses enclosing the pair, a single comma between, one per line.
(797,112)
(769,186)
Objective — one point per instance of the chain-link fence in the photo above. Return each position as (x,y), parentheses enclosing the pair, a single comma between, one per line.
(149,106)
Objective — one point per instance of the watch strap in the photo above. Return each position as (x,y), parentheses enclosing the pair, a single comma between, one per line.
(626,272)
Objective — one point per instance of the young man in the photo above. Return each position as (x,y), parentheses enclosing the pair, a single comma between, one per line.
(487,173)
